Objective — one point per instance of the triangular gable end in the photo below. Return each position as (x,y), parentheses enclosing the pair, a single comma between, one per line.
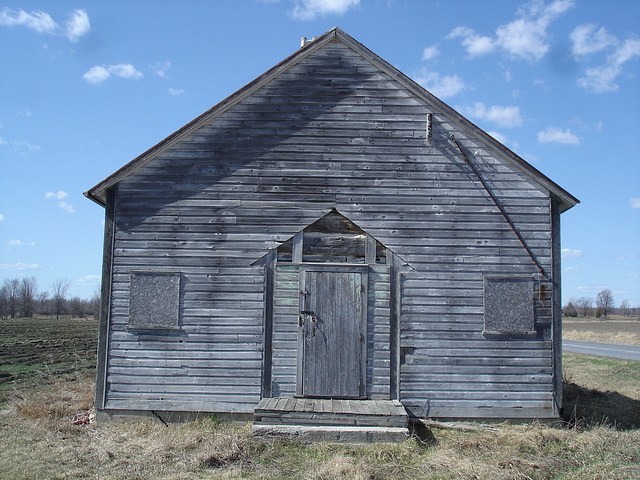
(333,238)
(475,134)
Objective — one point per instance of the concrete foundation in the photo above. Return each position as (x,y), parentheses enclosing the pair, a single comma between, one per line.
(339,434)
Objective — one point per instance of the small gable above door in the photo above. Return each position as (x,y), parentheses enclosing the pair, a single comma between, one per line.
(332,239)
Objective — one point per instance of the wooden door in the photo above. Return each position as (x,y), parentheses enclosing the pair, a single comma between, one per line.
(332,332)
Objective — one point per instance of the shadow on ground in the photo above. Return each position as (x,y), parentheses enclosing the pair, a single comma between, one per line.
(582,407)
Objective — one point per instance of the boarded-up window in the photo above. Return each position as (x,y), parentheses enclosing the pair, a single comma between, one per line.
(154,300)
(508,305)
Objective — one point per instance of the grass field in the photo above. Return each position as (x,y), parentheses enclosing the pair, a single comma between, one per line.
(52,385)
(616,329)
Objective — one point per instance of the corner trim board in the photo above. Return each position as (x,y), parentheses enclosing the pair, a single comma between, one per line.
(105,298)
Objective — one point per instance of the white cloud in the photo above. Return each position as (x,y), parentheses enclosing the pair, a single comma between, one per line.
(430,52)
(507,117)
(555,135)
(524,38)
(18,145)
(634,202)
(41,22)
(66,207)
(176,91)
(586,40)
(101,73)
(441,86)
(571,269)
(20,266)
(1,217)
(97,74)
(513,145)
(310,9)
(59,195)
(623,258)
(88,279)
(568,253)
(499,137)
(602,79)
(475,45)
(20,243)
(29,146)
(24,113)
(508,78)
(160,69)
(77,25)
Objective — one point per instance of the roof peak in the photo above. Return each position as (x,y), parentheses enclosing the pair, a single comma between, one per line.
(98,192)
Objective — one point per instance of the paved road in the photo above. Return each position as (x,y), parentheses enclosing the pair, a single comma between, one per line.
(624,352)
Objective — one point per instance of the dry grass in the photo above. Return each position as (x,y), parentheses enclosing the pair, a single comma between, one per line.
(40,441)
(620,331)
(620,338)
(52,407)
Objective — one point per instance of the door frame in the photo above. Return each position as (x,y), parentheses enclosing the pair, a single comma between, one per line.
(338,268)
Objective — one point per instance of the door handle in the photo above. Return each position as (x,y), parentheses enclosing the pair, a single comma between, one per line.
(302,317)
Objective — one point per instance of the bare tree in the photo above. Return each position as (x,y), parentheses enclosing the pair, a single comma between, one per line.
(604,301)
(625,307)
(4,302)
(570,310)
(584,306)
(59,290)
(95,303)
(28,291)
(11,288)
(76,307)
(43,298)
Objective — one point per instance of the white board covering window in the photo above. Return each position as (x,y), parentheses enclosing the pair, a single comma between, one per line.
(154,301)
(508,305)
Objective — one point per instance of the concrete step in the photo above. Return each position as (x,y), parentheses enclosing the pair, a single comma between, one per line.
(339,434)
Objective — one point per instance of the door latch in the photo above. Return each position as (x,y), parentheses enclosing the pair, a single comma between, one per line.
(304,313)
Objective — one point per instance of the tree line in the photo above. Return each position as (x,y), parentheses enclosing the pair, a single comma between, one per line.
(603,305)
(21,298)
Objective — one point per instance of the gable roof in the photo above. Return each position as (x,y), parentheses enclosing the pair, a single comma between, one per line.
(98,192)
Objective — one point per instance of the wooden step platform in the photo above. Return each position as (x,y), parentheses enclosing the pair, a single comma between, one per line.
(329,412)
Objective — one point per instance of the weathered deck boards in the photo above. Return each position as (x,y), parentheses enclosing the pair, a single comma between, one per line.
(324,412)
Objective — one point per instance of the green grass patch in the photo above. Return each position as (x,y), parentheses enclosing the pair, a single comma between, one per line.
(601,390)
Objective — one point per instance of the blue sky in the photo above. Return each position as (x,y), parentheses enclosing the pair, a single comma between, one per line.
(86,86)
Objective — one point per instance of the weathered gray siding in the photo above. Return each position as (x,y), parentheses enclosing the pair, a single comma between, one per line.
(333,131)
(285,332)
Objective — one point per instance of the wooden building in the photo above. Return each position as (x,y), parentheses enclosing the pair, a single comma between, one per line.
(331,230)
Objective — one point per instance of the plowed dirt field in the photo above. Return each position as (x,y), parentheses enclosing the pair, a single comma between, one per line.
(34,350)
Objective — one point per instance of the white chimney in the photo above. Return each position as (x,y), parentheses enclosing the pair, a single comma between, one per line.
(304,42)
